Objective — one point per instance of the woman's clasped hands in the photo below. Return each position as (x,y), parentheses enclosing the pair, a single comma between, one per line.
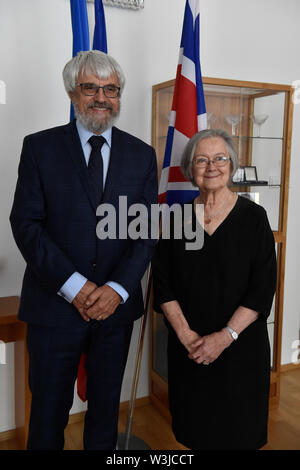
(206,349)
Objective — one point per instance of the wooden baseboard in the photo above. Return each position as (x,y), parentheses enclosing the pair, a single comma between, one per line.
(124,405)
(287,367)
(76,417)
(8,435)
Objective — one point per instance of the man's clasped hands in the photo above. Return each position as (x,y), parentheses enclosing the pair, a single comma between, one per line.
(96,303)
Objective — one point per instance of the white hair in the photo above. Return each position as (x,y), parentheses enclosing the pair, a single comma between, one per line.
(91,62)
(188,153)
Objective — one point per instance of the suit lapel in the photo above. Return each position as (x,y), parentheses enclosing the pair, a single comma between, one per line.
(73,144)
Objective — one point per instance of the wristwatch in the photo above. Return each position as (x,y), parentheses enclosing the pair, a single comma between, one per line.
(233,333)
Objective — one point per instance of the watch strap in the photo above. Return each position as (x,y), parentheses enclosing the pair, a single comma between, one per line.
(232,332)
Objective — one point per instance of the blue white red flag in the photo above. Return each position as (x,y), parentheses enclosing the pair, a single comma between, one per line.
(100,41)
(188,113)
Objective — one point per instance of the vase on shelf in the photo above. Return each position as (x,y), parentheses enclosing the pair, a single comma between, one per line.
(211,119)
(258,120)
(234,120)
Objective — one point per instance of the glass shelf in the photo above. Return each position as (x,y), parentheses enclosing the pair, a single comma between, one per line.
(255,137)
(250,183)
(236,137)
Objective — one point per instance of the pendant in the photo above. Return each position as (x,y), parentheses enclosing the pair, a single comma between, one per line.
(207,221)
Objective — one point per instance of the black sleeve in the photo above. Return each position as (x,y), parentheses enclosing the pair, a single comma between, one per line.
(162,282)
(262,281)
(28,217)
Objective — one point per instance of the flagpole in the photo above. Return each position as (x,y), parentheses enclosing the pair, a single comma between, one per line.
(126,441)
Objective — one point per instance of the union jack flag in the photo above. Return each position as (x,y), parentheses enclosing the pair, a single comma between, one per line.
(188,113)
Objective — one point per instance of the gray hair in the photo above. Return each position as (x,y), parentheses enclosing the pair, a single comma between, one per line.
(91,62)
(188,153)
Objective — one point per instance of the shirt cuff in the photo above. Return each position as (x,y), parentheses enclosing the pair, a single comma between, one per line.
(72,286)
(119,289)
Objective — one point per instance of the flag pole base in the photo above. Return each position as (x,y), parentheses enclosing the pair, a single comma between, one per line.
(135,443)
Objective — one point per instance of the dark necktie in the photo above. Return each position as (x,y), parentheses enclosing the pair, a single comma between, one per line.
(95,166)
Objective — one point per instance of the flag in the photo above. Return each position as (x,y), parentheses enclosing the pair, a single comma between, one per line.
(99,41)
(188,113)
(80,27)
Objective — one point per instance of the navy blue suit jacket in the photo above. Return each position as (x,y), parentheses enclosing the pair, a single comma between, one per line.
(54,223)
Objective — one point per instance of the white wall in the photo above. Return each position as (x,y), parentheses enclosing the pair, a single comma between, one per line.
(255,40)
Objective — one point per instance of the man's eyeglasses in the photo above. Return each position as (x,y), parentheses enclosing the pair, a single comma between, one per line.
(90,89)
(218,161)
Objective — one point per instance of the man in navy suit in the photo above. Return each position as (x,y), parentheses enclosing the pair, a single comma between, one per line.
(81,293)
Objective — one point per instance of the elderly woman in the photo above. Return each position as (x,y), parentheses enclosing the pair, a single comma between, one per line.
(216,301)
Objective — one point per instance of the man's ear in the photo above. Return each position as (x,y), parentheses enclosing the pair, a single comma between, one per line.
(71,96)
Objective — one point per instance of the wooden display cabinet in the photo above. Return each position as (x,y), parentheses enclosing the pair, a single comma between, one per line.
(267,148)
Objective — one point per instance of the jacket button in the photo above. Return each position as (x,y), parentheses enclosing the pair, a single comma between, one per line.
(94,265)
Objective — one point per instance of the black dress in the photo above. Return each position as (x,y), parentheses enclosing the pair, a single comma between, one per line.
(223,405)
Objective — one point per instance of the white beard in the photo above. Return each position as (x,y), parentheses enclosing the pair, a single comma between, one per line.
(94,125)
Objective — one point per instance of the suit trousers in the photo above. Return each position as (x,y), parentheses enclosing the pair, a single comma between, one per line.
(54,355)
